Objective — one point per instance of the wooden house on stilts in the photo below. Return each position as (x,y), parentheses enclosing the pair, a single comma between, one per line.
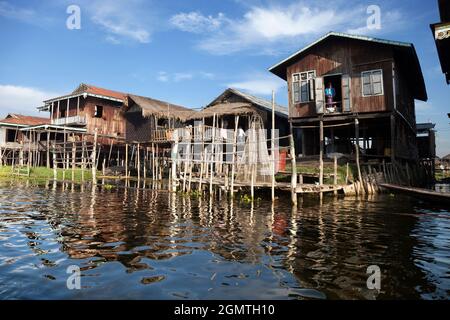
(355,95)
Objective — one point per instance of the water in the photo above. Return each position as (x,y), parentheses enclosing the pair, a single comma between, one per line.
(146,244)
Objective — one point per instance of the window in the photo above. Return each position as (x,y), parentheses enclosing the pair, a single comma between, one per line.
(11,135)
(302,85)
(372,83)
(98,112)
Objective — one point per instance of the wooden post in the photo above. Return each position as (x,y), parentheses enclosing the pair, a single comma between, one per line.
(126,161)
(48,150)
(234,157)
(347,174)
(393,147)
(94,158)
(145,162)
(294,170)
(335,174)
(83,160)
(55,172)
(272,136)
(138,155)
(321,153)
(212,155)
(74,154)
(357,149)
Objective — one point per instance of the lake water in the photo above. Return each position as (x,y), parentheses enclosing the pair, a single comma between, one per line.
(148,244)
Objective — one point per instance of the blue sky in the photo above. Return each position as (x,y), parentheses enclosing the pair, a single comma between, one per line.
(188,52)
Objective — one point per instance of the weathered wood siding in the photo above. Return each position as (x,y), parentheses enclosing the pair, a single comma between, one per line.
(138,128)
(351,57)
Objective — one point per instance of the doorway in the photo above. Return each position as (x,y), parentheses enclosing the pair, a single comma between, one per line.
(336,83)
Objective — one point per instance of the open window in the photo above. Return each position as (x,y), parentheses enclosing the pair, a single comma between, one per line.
(11,135)
(98,111)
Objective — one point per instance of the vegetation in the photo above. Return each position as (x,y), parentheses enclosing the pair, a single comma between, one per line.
(314,171)
(43,173)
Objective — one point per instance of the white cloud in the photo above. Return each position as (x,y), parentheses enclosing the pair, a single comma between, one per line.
(121,19)
(270,29)
(182,76)
(163,76)
(195,22)
(10,11)
(259,84)
(23,100)
(423,107)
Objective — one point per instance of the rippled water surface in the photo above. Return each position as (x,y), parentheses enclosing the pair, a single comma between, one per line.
(147,244)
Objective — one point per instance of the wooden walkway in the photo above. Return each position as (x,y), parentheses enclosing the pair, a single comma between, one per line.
(420,193)
(282,186)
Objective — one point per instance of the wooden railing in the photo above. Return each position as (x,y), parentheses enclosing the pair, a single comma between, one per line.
(79,120)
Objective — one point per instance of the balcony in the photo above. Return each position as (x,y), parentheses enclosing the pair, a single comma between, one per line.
(70,121)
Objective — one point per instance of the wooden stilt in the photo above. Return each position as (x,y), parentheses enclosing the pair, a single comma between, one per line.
(94,158)
(321,153)
(234,156)
(126,161)
(294,170)
(272,136)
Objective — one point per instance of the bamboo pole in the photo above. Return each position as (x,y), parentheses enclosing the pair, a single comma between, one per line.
(83,160)
(335,174)
(138,157)
(233,162)
(212,155)
(74,154)
(126,161)
(321,153)
(55,172)
(357,149)
(48,150)
(294,170)
(273,146)
(94,158)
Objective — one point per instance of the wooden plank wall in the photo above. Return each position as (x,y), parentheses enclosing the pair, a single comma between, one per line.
(346,56)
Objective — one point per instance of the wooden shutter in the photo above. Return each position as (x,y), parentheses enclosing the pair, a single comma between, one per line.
(346,94)
(312,95)
(319,94)
(366,82)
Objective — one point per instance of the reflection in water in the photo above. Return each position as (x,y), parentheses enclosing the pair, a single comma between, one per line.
(149,244)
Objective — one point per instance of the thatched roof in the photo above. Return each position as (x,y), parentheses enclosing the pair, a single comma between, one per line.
(225,109)
(161,109)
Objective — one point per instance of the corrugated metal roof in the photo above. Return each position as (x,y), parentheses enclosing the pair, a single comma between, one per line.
(342,35)
(425,126)
(22,120)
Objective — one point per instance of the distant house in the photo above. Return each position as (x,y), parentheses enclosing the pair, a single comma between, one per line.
(426,140)
(120,116)
(441,34)
(13,139)
(149,119)
(347,81)
(232,103)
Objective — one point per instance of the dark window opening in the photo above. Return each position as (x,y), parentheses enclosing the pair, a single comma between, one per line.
(11,136)
(62,113)
(98,112)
